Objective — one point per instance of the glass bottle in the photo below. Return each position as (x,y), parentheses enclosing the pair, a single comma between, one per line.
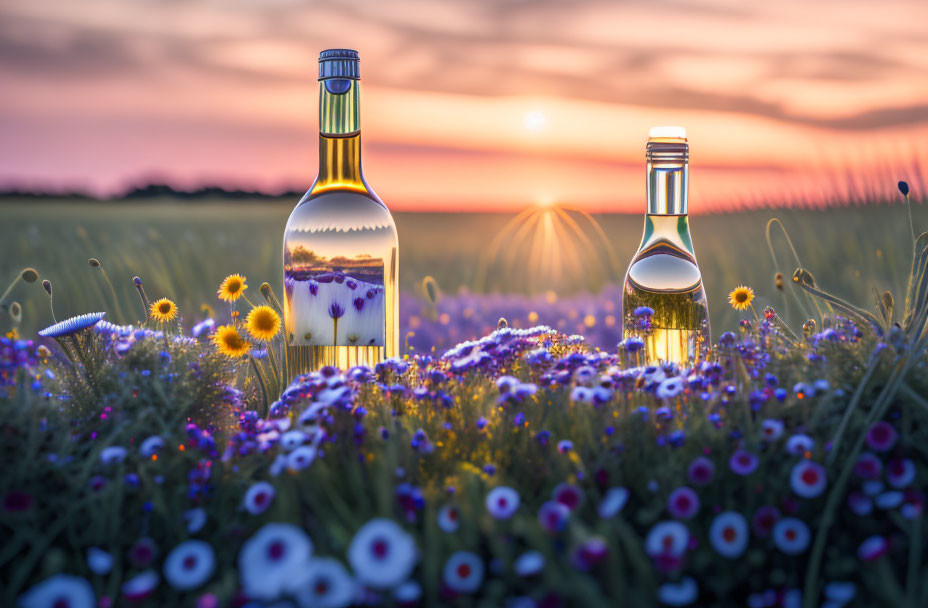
(663,301)
(340,244)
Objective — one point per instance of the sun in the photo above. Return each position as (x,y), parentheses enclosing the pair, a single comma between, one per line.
(535,121)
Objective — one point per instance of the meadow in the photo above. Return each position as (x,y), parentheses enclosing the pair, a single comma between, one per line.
(536,464)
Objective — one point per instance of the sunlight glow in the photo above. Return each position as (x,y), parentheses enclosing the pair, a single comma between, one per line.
(535,121)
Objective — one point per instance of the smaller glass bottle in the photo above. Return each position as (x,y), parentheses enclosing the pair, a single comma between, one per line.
(664,303)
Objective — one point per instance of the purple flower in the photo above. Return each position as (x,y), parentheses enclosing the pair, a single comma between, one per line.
(553,516)
(313,288)
(701,471)
(358,304)
(881,437)
(743,462)
(644,311)
(336,311)
(683,503)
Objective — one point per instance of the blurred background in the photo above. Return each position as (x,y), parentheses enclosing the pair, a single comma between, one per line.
(810,111)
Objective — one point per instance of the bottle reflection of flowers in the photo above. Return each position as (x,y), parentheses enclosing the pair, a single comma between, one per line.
(336,311)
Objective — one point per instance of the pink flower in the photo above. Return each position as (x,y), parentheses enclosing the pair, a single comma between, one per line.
(872,548)
(791,535)
(259,497)
(683,503)
(900,472)
(502,502)
(568,495)
(764,519)
(729,534)
(463,572)
(701,471)
(808,479)
(553,516)
(881,437)
(743,462)
(868,466)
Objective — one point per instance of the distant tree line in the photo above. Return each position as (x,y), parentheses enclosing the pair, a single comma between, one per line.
(148,192)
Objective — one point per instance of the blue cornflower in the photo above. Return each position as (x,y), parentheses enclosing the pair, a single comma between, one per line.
(481,423)
(519,419)
(644,311)
(336,310)
(489,470)
(73,325)
(780,394)
(565,445)
(770,379)
(631,345)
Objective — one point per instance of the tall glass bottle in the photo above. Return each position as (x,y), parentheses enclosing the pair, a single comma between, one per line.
(663,302)
(340,244)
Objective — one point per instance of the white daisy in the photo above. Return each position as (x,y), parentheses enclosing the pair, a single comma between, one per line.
(530,563)
(189,565)
(113,454)
(382,554)
(99,561)
(808,479)
(151,446)
(259,497)
(449,518)
(502,502)
(613,502)
(59,591)
(195,519)
(729,534)
(791,535)
(324,583)
(682,593)
(140,586)
(667,538)
(301,457)
(271,558)
(463,572)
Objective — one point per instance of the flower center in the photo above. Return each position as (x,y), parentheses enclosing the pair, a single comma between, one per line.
(322,586)
(683,503)
(501,503)
(463,570)
(61,602)
(165,308)
(260,498)
(189,562)
(790,534)
(380,548)
(275,550)
(729,534)
(809,476)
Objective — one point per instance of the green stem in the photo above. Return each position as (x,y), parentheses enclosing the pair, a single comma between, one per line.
(261,381)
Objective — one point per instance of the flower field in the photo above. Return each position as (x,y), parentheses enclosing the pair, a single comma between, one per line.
(172,461)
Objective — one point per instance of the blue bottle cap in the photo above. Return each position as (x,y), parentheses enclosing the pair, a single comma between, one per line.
(339,63)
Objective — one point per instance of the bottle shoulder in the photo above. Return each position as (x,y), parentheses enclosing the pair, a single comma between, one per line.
(340,210)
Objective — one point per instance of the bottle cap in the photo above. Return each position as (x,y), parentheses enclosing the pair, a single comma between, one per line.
(339,63)
(667,133)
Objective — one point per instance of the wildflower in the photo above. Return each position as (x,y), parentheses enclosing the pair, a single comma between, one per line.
(799,444)
(301,457)
(71,326)
(701,471)
(189,565)
(463,572)
(613,502)
(271,558)
(552,516)
(872,548)
(205,327)
(382,554)
(683,503)
(195,519)
(229,342)
(868,466)
(743,462)
(765,518)
(859,503)
(259,497)
(151,446)
(644,311)
(502,502)
(60,591)
(881,437)
(741,297)
(263,323)
(670,388)
(336,310)
(900,472)
(408,594)
(667,538)
(291,440)
(140,586)
(791,535)
(632,344)
(449,518)
(565,445)
(771,430)
(903,188)
(729,534)
(99,561)
(113,454)
(840,592)
(143,552)
(162,310)
(581,394)
(529,564)
(808,479)
(232,288)
(568,495)
(889,500)
(591,552)
(682,593)
(324,583)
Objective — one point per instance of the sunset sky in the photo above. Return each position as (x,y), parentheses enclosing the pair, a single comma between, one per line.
(471,104)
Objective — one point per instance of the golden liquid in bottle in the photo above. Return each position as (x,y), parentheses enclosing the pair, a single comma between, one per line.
(664,277)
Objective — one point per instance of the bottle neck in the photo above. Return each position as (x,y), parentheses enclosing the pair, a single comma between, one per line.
(339,136)
(668,176)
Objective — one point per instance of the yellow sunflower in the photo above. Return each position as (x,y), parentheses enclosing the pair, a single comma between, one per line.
(741,297)
(229,342)
(232,288)
(263,323)
(162,310)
